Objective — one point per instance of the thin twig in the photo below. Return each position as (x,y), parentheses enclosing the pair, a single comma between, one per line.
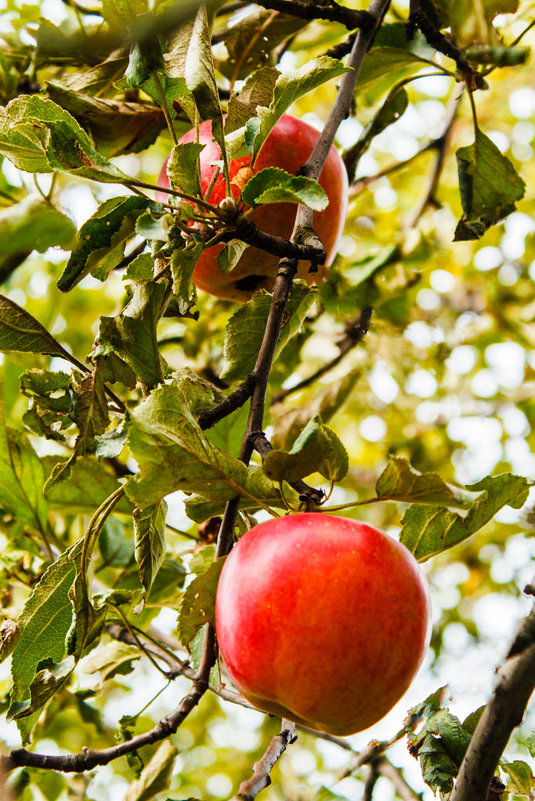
(515,682)
(261,769)
(385,768)
(355,333)
(441,147)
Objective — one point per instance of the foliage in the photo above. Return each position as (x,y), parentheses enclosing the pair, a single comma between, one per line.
(125,393)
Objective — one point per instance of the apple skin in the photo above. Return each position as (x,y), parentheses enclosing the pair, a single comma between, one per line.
(322,620)
(288,146)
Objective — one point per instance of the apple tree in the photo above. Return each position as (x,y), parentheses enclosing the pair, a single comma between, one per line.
(149,419)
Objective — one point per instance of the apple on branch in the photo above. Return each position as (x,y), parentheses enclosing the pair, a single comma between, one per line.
(322,620)
(288,146)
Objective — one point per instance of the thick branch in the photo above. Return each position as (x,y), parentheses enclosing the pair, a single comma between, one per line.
(335,13)
(444,45)
(89,759)
(246,230)
(514,685)
(261,769)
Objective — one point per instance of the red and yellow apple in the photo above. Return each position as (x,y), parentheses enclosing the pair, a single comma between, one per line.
(288,146)
(322,620)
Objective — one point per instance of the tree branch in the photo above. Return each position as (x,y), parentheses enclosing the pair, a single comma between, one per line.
(261,769)
(307,494)
(515,682)
(441,146)
(335,13)
(418,18)
(88,759)
(246,230)
(385,768)
(355,333)
(237,398)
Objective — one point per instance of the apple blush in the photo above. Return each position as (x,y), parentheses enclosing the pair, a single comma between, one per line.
(322,620)
(288,146)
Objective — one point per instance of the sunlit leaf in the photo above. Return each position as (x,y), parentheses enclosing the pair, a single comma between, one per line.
(198,603)
(245,330)
(428,531)
(490,186)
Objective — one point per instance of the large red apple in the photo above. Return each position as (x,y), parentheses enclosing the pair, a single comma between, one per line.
(322,620)
(288,146)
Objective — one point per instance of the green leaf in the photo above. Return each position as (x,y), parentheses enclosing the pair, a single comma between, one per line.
(149,528)
(120,13)
(230,255)
(489,186)
(183,168)
(273,185)
(193,52)
(440,745)
(499,55)
(289,422)
(473,22)
(116,126)
(399,481)
(202,559)
(44,624)
(289,88)
(132,334)
(115,543)
(20,331)
(165,590)
(89,483)
(257,91)
(198,603)
(155,776)
(385,65)
(50,678)
(101,240)
(357,289)
(37,135)
(145,57)
(170,90)
(520,778)
(111,659)
(245,330)
(247,50)
(173,453)
(317,449)
(427,532)
(32,224)
(21,479)
(52,404)
(390,112)
(183,261)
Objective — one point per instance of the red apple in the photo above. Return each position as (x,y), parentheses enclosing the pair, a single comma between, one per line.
(322,620)
(288,146)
